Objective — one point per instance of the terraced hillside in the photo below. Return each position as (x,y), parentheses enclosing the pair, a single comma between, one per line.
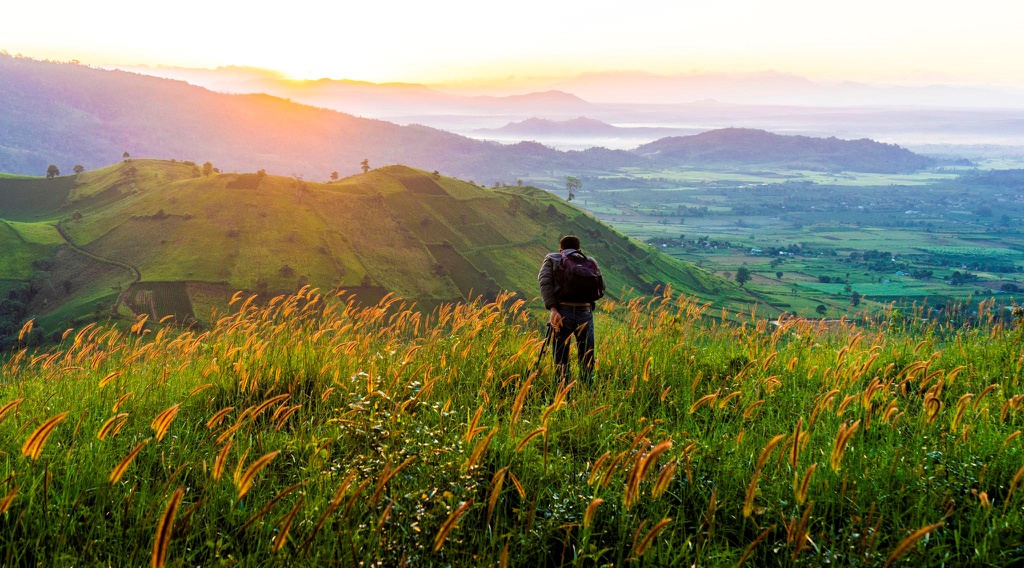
(193,241)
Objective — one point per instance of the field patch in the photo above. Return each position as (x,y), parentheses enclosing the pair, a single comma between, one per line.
(470,280)
(422,185)
(33,198)
(16,261)
(38,233)
(160,299)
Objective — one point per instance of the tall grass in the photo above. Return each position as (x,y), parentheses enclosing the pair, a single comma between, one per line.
(310,430)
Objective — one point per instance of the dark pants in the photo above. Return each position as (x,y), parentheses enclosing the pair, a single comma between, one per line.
(577,322)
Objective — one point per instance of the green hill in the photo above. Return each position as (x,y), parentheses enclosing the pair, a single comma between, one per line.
(149,236)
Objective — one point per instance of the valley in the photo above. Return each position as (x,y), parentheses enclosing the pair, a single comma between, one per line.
(852,243)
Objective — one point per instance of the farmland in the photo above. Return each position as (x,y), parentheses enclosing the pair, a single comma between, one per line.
(847,243)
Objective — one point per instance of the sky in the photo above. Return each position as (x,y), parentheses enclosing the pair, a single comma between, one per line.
(465,41)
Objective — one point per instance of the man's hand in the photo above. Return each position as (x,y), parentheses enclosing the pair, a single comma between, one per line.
(556,319)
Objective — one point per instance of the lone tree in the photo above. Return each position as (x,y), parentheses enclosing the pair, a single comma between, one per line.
(854,299)
(52,172)
(207,168)
(742,275)
(820,309)
(572,185)
(365,164)
(334,175)
(127,157)
(79,168)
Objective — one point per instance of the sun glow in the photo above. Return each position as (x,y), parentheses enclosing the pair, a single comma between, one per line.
(459,40)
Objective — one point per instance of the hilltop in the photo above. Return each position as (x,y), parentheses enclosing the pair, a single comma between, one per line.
(161,238)
(735,146)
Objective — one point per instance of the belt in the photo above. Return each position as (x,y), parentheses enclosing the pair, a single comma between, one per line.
(575,304)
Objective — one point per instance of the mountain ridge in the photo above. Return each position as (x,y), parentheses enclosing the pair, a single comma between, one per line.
(752,146)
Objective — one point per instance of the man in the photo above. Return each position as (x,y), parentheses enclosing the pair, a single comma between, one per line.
(570,284)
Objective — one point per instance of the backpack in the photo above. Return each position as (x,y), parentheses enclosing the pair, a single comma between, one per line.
(579,279)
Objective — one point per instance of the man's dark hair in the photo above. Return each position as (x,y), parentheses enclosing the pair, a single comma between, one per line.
(569,242)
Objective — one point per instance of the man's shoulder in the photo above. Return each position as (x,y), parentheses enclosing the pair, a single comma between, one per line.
(554,256)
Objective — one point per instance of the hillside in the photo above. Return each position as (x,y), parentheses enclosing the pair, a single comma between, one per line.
(744,146)
(67,114)
(178,245)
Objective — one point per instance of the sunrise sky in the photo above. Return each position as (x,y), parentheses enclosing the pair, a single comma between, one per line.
(907,41)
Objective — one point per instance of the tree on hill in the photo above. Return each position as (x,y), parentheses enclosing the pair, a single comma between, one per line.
(79,168)
(821,309)
(127,157)
(52,171)
(365,164)
(207,168)
(334,175)
(854,299)
(572,185)
(742,275)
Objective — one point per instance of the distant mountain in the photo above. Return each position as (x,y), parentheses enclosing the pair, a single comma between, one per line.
(743,146)
(68,114)
(366,98)
(158,237)
(578,127)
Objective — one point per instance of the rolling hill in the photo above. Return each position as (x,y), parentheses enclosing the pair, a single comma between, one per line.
(67,114)
(148,236)
(745,146)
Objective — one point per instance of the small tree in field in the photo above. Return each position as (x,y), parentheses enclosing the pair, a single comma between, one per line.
(742,275)
(127,157)
(207,168)
(334,176)
(820,309)
(572,185)
(52,172)
(365,164)
(79,168)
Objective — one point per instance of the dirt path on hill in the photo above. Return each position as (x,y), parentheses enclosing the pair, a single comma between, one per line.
(121,298)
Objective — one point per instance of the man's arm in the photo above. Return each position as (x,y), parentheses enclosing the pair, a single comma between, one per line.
(546,279)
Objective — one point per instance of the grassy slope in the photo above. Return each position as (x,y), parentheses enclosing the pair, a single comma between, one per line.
(381,431)
(33,199)
(396,227)
(18,253)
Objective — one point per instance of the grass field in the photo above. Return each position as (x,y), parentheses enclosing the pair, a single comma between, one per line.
(309,431)
(37,233)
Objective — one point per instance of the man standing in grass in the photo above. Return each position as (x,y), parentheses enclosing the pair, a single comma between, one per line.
(570,284)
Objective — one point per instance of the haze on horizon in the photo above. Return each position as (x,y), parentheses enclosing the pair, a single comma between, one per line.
(469,45)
